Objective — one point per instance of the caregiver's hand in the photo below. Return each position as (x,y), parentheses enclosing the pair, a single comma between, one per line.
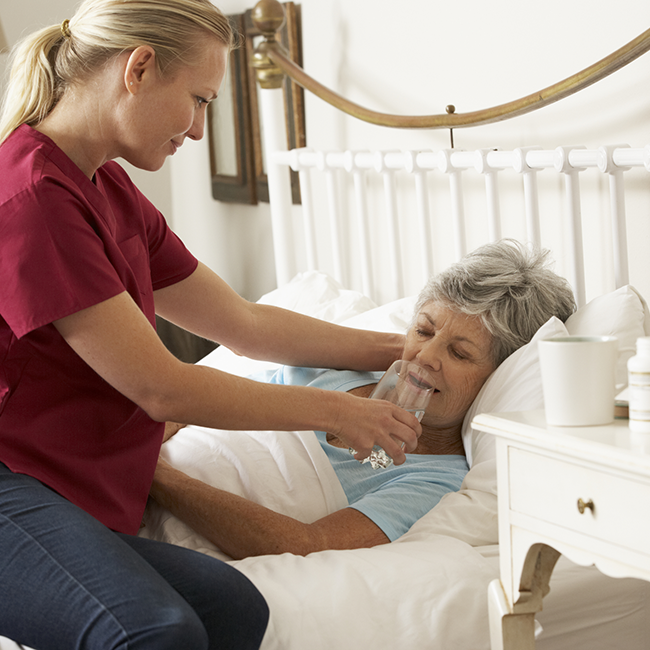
(362,423)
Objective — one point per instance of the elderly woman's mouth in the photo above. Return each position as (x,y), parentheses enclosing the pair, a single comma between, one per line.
(419,382)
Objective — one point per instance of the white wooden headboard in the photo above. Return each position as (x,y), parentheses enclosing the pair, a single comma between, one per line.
(382,221)
(480,195)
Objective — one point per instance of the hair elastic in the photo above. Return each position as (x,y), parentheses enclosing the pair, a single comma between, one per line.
(65,29)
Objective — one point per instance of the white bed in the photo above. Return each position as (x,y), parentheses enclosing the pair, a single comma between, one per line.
(427,590)
(372,226)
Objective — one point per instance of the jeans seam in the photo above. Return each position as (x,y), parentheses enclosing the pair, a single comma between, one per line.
(94,598)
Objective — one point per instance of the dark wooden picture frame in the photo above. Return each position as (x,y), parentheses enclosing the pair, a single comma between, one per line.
(229,121)
(234,128)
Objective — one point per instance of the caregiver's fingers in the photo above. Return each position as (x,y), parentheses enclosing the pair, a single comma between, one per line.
(403,438)
(367,423)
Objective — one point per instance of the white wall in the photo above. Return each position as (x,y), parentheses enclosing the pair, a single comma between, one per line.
(426,54)
(412,56)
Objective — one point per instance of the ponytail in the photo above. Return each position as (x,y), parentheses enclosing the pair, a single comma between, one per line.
(33,87)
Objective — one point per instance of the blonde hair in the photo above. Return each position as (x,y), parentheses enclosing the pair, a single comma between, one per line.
(48,61)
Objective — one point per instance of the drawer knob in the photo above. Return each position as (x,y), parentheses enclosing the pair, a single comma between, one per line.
(585,505)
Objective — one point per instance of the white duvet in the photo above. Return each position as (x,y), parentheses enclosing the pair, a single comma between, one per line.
(406,591)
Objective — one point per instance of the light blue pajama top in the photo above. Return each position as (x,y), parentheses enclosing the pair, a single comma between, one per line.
(393,498)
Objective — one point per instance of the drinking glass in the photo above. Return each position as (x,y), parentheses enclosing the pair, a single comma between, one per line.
(408,385)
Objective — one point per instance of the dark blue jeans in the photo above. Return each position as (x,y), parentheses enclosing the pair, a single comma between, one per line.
(67,581)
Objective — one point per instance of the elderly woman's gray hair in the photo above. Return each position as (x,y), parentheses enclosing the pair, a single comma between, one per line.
(509,286)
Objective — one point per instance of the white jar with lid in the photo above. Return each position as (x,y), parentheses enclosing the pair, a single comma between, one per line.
(638,373)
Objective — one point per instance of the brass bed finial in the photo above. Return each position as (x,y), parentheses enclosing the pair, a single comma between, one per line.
(272,62)
(268,17)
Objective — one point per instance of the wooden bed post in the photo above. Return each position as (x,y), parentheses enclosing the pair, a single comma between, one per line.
(268,17)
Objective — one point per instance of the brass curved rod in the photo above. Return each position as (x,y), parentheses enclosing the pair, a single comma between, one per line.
(618,59)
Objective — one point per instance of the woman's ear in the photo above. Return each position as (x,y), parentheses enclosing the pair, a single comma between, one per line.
(140,68)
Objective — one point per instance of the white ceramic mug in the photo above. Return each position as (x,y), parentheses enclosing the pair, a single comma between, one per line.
(578,379)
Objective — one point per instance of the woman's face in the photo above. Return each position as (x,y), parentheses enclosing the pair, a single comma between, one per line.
(456,349)
(167,110)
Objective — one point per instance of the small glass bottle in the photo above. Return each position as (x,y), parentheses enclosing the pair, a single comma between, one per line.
(638,373)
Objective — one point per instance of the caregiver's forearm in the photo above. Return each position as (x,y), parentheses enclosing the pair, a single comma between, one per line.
(242,528)
(291,338)
(205,305)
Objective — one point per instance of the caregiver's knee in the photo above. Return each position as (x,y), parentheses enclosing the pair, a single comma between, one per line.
(171,629)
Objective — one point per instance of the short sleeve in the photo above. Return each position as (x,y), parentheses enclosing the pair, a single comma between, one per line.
(67,244)
(52,261)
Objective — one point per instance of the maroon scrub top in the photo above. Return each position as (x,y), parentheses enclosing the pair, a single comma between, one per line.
(67,243)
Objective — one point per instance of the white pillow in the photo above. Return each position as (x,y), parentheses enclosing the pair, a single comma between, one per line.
(623,314)
(317,294)
(394,317)
(515,385)
(312,293)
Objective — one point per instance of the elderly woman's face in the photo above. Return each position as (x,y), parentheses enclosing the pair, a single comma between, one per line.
(456,349)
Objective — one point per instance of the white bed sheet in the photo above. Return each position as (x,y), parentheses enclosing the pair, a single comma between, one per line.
(424,591)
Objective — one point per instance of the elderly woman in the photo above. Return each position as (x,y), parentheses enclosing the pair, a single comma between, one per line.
(467,320)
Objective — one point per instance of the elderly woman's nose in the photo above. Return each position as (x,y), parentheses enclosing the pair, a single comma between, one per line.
(429,355)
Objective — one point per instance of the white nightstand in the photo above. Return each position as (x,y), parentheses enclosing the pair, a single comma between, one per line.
(583,492)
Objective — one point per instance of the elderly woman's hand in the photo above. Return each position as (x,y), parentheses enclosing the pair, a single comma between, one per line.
(363,423)
(171,429)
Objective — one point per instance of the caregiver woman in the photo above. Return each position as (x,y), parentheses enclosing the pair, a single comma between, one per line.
(86,262)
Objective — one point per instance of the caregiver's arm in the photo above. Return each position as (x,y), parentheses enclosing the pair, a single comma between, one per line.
(205,305)
(116,340)
(242,528)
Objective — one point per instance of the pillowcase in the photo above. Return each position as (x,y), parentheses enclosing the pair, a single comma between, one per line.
(394,317)
(317,294)
(516,385)
(312,293)
(622,313)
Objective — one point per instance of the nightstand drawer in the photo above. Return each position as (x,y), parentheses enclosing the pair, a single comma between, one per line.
(550,489)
